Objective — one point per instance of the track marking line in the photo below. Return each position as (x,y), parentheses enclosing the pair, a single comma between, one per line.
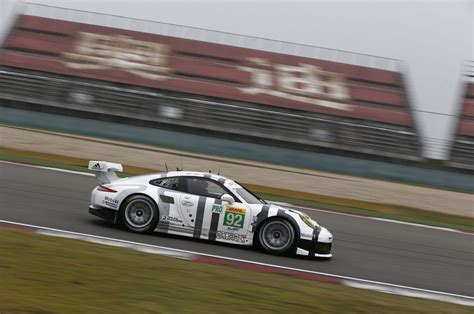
(192,255)
(276,203)
(47,168)
(413,224)
(407,293)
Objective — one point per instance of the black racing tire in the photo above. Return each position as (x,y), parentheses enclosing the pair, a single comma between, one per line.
(139,214)
(276,236)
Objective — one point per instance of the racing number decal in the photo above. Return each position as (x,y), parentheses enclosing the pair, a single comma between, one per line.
(234,217)
(233,220)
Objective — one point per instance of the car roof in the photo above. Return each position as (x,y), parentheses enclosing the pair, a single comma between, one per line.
(158,175)
(208,175)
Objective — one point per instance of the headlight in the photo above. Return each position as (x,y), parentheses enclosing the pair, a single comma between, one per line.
(308,221)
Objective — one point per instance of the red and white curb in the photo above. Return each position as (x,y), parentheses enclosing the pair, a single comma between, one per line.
(250,265)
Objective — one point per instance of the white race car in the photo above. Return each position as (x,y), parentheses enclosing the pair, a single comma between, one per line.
(204,206)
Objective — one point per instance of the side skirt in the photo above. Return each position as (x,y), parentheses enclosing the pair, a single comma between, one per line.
(221,236)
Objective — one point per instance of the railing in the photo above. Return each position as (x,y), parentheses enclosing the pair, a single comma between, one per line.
(207,35)
(102,100)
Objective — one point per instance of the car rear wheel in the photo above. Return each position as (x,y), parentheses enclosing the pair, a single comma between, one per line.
(140,214)
(276,236)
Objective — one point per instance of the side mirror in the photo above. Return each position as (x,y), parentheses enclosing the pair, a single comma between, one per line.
(227,198)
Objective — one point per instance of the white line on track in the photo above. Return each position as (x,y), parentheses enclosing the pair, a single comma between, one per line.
(374,218)
(185,254)
(276,203)
(47,168)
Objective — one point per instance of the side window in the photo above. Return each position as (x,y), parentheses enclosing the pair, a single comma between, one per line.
(167,183)
(204,187)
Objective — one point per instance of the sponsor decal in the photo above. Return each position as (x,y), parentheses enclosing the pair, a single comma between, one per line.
(96,166)
(171,218)
(233,184)
(236,210)
(230,237)
(216,208)
(234,217)
(100,52)
(111,202)
(233,228)
(254,221)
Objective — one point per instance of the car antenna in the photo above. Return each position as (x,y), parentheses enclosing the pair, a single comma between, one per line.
(181,156)
(219,170)
(210,171)
(166,166)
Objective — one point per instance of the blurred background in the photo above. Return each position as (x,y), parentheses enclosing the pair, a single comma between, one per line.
(360,107)
(394,83)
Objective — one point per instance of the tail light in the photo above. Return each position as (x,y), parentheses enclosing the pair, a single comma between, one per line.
(105,189)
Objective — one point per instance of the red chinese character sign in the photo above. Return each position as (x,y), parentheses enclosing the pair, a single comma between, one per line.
(141,58)
(302,83)
(219,71)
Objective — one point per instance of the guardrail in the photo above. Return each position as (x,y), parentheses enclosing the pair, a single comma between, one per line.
(102,100)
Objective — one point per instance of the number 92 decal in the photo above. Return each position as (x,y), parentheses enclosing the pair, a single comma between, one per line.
(234,217)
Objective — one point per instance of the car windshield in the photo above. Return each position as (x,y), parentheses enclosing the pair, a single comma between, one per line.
(248,196)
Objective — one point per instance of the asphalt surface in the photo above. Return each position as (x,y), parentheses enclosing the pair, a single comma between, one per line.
(363,248)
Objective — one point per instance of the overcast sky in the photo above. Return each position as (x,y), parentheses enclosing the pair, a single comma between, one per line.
(434,37)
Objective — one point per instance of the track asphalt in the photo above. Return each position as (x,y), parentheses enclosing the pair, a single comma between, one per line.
(369,249)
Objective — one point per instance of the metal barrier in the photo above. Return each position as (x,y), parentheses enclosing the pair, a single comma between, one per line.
(203,113)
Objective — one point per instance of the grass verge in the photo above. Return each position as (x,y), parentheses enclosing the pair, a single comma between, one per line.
(337,204)
(42,274)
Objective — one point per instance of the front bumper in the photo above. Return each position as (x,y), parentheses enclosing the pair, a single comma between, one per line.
(319,246)
(105,213)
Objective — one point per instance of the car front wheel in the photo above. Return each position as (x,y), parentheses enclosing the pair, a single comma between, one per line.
(140,214)
(276,236)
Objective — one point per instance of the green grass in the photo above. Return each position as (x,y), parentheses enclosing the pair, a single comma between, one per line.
(337,204)
(43,274)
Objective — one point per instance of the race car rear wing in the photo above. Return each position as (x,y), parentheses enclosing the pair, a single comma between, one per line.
(105,171)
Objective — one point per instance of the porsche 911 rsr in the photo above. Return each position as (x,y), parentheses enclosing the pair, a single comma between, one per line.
(204,206)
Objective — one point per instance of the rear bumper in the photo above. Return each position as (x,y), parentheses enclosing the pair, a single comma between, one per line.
(105,213)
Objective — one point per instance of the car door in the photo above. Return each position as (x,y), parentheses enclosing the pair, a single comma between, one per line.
(234,223)
(195,203)
(169,191)
(210,217)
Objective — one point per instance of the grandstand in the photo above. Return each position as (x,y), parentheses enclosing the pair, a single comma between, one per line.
(239,87)
(462,154)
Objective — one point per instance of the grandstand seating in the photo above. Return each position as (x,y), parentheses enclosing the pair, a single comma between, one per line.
(462,154)
(281,97)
